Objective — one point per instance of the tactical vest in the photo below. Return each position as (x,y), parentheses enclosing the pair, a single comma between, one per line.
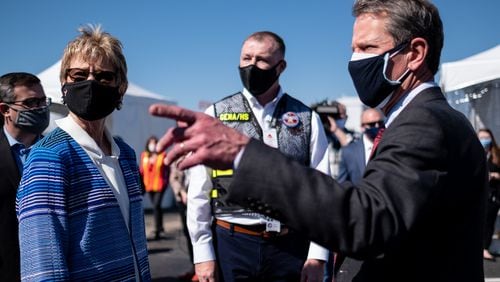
(292,121)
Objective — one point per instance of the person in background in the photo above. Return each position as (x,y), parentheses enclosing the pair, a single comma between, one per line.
(493,204)
(245,244)
(418,212)
(179,181)
(354,158)
(355,155)
(79,203)
(25,115)
(334,116)
(154,174)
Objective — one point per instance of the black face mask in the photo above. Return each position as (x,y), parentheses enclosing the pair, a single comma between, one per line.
(370,81)
(256,80)
(34,121)
(91,100)
(372,132)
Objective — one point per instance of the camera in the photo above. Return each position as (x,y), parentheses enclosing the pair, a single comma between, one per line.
(327,108)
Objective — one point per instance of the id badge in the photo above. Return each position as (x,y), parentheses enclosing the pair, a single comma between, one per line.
(271,137)
(273,225)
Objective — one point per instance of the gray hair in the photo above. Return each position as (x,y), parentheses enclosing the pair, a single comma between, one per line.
(408,19)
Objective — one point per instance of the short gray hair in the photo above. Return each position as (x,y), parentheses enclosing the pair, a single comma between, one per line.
(408,19)
(260,35)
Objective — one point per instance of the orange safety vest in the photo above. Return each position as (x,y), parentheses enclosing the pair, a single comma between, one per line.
(153,174)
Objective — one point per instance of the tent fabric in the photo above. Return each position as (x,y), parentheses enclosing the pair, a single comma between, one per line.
(472,86)
(484,66)
(479,103)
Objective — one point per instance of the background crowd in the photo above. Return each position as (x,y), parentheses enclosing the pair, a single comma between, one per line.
(268,188)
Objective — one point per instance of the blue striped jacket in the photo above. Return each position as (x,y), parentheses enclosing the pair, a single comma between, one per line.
(70,223)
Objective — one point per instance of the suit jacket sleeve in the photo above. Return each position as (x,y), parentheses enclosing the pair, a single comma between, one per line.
(43,219)
(402,183)
(343,171)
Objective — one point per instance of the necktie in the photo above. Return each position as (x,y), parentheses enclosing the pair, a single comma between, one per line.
(22,154)
(377,140)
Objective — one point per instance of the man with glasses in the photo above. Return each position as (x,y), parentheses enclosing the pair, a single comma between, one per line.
(25,115)
(353,160)
(355,155)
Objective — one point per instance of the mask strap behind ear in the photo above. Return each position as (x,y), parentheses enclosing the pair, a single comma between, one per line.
(387,56)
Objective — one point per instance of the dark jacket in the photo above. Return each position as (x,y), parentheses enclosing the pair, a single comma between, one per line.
(9,243)
(418,212)
(352,162)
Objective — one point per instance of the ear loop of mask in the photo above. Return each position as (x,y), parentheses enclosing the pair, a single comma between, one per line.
(387,56)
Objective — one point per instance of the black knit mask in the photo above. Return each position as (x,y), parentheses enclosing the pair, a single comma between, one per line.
(90,99)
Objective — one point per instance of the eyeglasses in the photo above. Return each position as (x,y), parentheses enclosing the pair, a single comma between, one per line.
(77,74)
(32,103)
(379,123)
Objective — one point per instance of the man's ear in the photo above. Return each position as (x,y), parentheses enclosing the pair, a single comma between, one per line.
(283,66)
(417,53)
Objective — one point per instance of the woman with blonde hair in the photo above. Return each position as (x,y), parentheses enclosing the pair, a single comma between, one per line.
(80,203)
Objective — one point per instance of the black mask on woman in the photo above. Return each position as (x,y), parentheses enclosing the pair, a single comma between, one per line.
(256,80)
(91,100)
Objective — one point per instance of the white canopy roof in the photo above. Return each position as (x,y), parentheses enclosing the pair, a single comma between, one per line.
(52,86)
(478,68)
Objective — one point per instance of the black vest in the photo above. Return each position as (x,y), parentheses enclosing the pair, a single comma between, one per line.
(292,121)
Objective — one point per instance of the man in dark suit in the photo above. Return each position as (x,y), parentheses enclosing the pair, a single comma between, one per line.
(355,155)
(418,212)
(353,159)
(24,108)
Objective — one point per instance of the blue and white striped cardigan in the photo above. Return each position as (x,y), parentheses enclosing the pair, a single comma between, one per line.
(70,224)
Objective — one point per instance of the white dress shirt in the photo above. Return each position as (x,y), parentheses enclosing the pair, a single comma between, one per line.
(405,100)
(199,215)
(368,145)
(108,166)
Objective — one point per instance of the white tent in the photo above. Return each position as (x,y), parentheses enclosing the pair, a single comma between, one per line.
(132,123)
(478,68)
(472,86)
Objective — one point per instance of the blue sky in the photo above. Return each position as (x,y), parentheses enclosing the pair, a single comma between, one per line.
(189,50)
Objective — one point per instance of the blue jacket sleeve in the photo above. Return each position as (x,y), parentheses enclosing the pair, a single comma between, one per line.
(42,215)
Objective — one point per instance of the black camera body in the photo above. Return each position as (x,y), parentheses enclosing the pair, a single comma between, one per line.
(329,110)
(325,109)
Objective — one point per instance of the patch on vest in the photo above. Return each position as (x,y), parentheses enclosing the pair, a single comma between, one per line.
(234,116)
(290,119)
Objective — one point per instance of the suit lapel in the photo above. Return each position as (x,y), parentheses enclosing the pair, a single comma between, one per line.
(429,94)
(10,173)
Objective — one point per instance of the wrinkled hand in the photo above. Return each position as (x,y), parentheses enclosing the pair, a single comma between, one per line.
(205,271)
(205,138)
(313,270)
